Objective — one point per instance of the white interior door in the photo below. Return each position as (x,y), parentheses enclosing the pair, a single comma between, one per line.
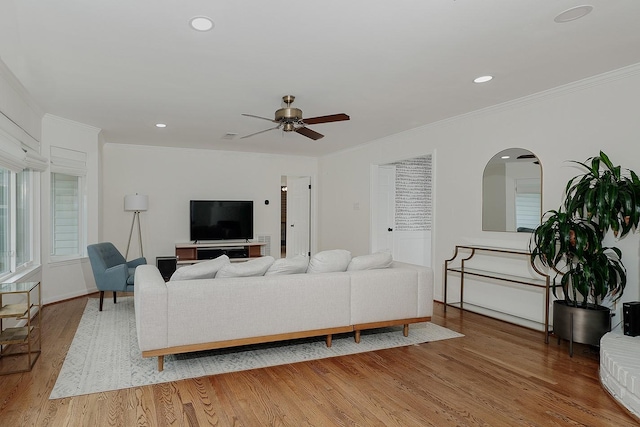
(385,218)
(298,216)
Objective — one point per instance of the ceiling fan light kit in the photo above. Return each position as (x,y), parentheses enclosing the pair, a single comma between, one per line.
(289,119)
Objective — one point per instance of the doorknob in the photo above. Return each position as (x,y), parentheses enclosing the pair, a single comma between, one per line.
(389,229)
(292,225)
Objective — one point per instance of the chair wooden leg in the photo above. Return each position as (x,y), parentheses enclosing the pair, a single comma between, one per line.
(101,299)
(114,297)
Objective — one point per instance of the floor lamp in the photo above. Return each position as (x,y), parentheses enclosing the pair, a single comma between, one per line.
(135,203)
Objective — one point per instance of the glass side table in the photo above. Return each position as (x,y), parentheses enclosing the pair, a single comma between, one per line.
(20,346)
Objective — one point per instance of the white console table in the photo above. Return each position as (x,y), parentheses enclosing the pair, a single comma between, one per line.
(466,253)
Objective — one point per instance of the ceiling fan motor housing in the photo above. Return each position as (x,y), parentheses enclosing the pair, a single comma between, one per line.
(289,114)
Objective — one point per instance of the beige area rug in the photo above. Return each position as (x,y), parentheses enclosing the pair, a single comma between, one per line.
(104,354)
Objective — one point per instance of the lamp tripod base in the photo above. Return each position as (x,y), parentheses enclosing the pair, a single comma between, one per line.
(136,216)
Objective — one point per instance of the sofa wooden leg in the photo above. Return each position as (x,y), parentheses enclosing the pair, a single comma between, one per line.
(160,363)
(357,337)
(405,329)
(329,340)
(101,299)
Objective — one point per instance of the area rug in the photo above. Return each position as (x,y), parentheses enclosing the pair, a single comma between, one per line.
(104,354)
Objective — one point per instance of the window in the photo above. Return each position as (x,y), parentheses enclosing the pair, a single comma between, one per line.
(68,170)
(24,219)
(5,225)
(16,220)
(19,195)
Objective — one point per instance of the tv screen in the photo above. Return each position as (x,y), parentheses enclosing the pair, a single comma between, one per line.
(221,219)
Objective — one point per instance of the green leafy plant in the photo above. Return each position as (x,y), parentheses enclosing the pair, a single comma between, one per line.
(569,240)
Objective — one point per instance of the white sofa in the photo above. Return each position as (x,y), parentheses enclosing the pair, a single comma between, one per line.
(193,315)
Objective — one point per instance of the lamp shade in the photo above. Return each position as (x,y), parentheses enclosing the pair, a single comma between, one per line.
(136,202)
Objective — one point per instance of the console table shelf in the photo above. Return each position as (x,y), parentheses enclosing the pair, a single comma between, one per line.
(27,337)
(467,252)
(190,253)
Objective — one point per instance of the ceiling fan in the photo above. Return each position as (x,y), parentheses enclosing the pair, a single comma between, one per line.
(290,119)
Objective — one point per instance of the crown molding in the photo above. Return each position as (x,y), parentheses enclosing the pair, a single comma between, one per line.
(579,85)
(70,122)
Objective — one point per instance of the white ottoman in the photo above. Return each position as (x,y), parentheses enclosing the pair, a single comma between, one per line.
(620,368)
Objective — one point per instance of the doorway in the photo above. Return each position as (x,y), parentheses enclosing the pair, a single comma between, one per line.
(295,216)
(401,196)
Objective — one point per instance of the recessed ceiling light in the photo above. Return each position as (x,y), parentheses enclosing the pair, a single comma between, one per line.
(482,79)
(505,157)
(201,23)
(573,13)
(161,125)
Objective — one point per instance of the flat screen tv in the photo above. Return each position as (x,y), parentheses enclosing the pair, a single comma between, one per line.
(221,220)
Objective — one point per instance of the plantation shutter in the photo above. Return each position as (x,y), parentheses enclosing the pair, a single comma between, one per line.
(527,203)
(67,169)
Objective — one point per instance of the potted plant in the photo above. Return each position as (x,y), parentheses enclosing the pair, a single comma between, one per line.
(569,241)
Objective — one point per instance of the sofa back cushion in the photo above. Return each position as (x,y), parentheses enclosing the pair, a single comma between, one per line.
(370,261)
(253,267)
(329,261)
(200,270)
(295,265)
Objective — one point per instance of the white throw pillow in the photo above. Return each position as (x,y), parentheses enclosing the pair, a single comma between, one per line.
(329,261)
(295,265)
(253,267)
(371,261)
(200,270)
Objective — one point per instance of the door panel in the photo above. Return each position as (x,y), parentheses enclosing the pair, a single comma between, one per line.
(298,214)
(385,221)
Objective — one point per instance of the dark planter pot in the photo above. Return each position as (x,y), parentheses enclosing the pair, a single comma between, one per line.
(581,325)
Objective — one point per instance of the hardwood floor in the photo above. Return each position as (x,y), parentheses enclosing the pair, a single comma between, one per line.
(497,375)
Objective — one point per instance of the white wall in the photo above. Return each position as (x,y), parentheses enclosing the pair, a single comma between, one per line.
(569,123)
(173,176)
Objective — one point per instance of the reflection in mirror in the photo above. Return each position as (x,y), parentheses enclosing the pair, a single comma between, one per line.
(512,191)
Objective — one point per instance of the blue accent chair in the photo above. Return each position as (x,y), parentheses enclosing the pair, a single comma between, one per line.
(110,270)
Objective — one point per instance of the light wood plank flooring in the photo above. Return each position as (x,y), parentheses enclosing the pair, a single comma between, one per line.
(497,375)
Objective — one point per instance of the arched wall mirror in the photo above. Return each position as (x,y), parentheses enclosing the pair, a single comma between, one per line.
(512,191)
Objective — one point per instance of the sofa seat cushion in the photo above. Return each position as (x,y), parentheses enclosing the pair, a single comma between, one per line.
(371,261)
(201,270)
(253,267)
(330,261)
(295,265)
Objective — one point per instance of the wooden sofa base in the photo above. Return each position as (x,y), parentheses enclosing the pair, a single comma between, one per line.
(375,325)
(160,353)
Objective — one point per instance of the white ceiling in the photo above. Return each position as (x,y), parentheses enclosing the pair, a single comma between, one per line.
(123,65)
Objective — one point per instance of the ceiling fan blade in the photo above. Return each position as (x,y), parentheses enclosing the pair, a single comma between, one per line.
(309,133)
(262,131)
(326,119)
(263,118)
